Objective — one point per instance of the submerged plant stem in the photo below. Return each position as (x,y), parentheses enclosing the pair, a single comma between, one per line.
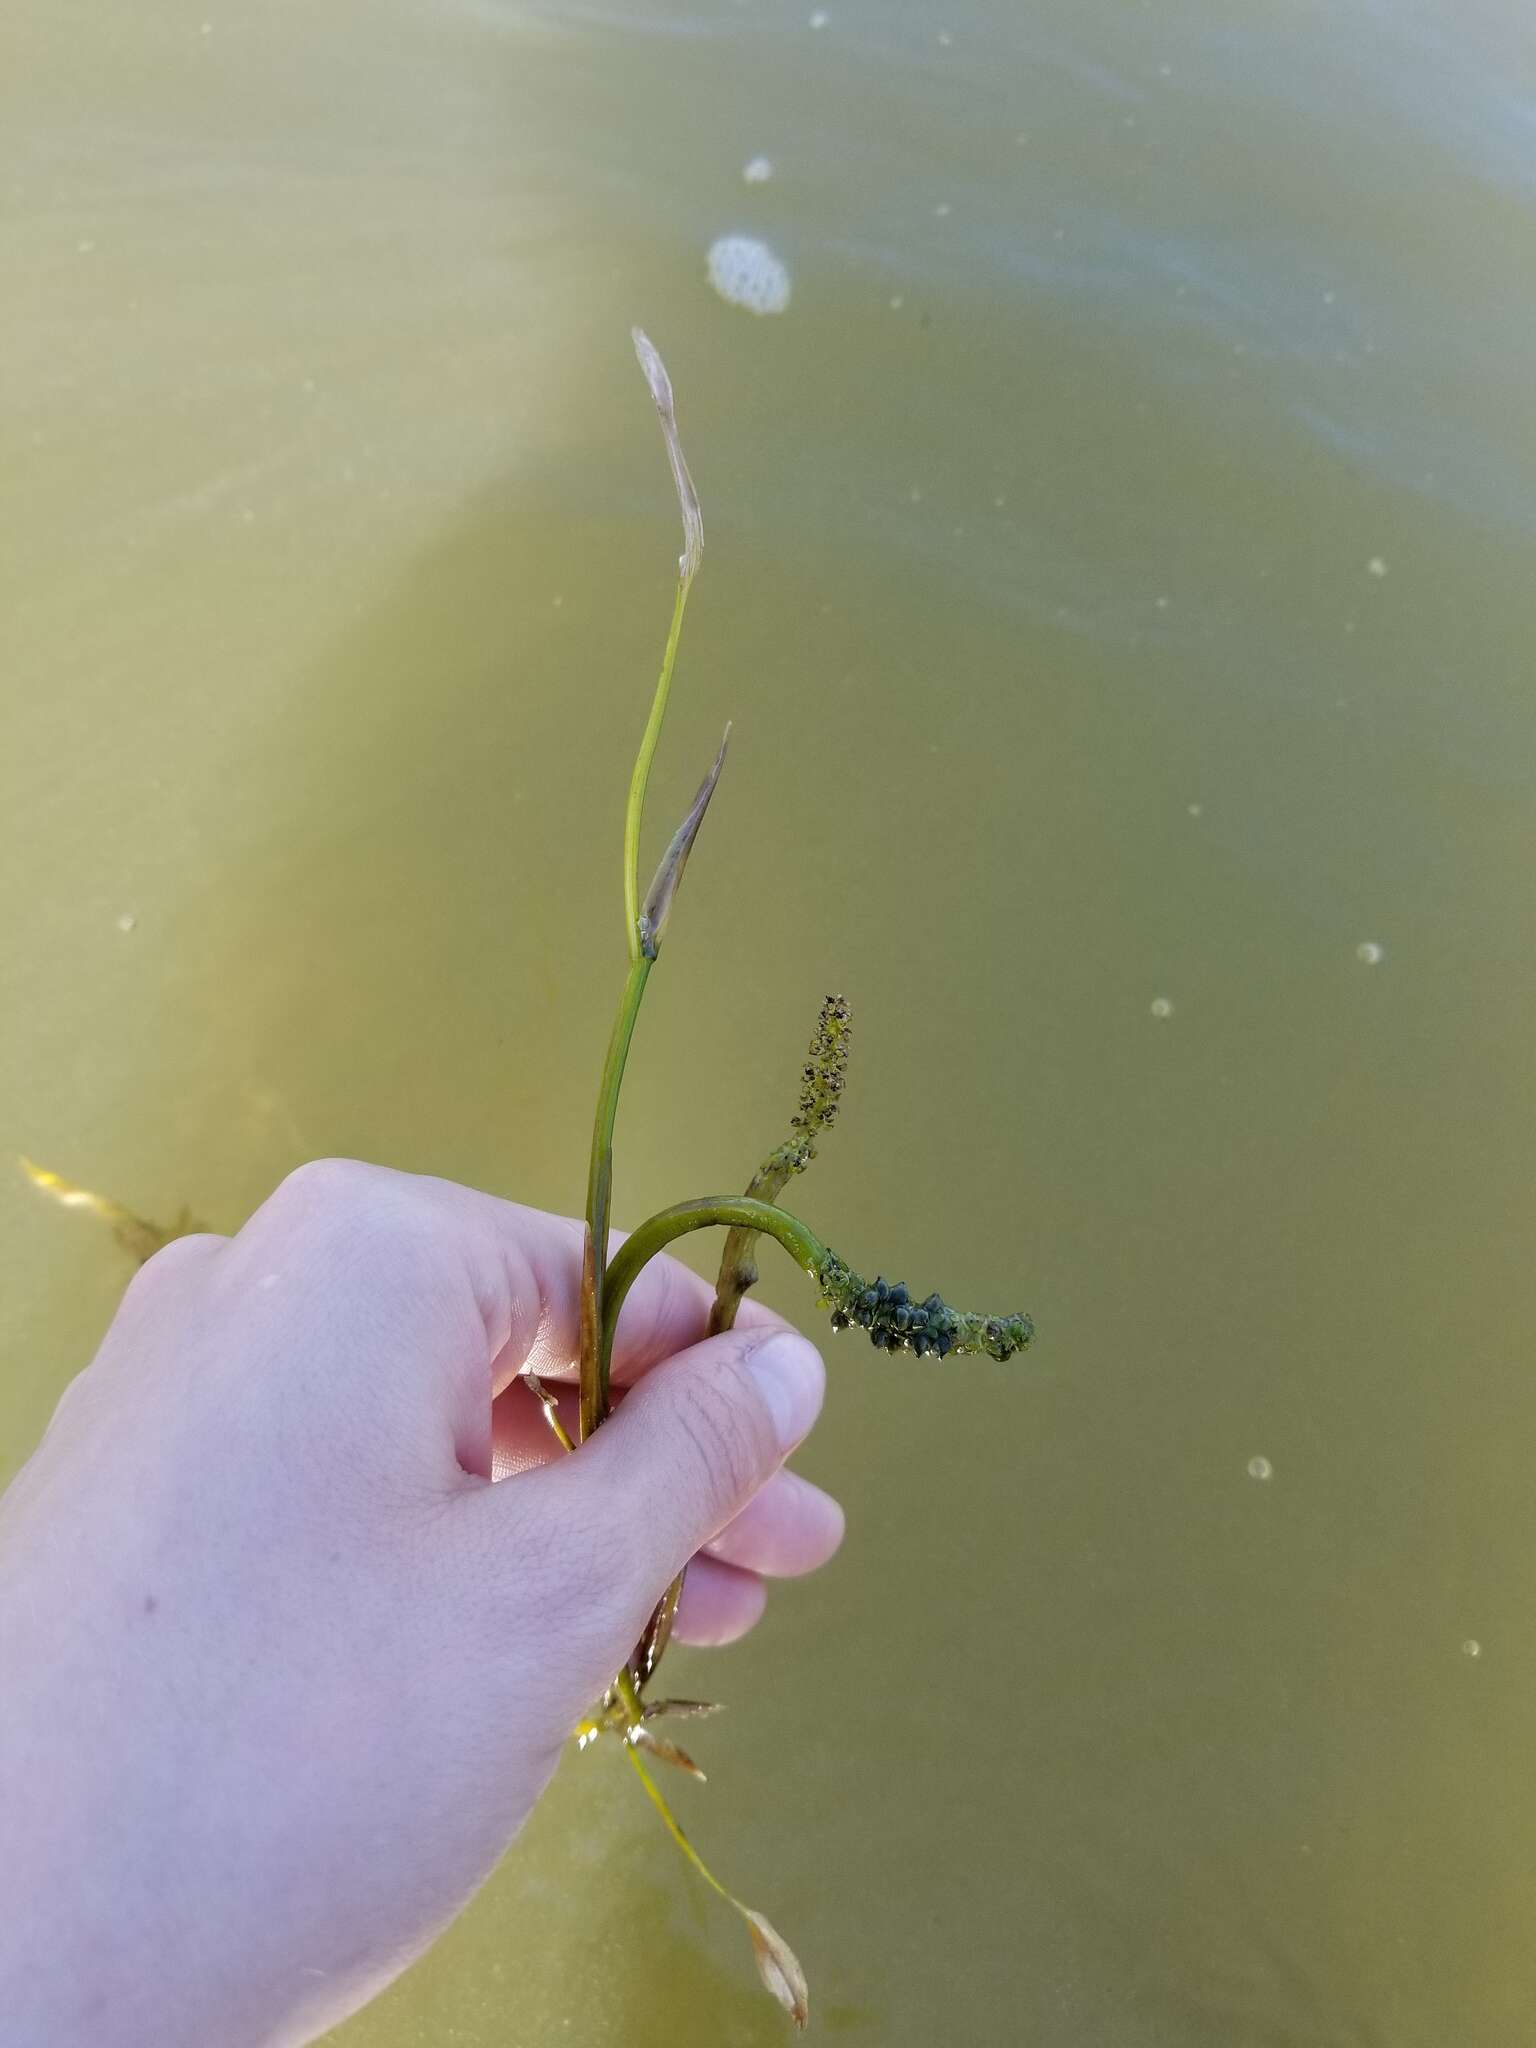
(595,1353)
(635,808)
(673,1826)
(892,1320)
(733,1212)
(777,1964)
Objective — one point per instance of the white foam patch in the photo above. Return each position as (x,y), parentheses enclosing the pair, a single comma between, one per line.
(746,273)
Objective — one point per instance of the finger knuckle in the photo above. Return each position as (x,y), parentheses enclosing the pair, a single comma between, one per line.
(169,1272)
(368,1208)
(321,1185)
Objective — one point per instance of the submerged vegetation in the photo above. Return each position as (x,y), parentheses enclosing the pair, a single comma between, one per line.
(888,1312)
(140,1238)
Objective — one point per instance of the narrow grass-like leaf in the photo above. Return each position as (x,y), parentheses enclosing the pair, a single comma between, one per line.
(659,898)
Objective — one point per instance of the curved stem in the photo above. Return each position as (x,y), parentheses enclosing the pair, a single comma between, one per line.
(728,1211)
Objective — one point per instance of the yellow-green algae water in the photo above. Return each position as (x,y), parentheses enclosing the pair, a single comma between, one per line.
(1119,573)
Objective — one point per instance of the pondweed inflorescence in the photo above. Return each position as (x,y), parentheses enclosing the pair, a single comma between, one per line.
(821,1092)
(896,1322)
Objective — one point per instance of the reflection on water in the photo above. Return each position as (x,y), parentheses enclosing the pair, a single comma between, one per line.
(1118,577)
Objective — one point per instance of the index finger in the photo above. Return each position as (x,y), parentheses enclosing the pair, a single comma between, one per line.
(420,1257)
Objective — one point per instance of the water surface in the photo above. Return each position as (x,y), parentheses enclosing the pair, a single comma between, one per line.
(1119,575)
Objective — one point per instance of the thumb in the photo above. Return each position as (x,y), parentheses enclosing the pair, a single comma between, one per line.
(692,1443)
(599,1535)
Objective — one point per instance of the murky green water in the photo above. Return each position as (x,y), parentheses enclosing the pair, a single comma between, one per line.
(1119,574)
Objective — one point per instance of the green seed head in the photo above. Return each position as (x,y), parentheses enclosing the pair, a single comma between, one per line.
(896,1322)
(826,1068)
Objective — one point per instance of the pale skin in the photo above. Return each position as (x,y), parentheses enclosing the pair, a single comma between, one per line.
(283,1670)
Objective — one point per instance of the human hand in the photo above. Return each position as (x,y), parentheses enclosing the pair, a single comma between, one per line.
(283,1671)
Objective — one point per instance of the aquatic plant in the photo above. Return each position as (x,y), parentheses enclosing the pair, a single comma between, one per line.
(140,1238)
(889,1313)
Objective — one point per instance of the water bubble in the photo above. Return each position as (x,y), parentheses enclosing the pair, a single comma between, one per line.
(747,273)
(820,19)
(897,302)
(1471,1647)
(942,210)
(1195,810)
(1376,566)
(757,170)
(1161,1007)
(1370,953)
(1260,1468)
(127,921)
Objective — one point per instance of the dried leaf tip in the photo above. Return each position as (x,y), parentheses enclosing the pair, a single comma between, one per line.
(779,1968)
(659,898)
(655,374)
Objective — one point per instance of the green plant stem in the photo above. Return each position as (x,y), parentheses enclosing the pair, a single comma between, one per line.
(635,809)
(594,1353)
(628,1692)
(777,1963)
(743,1216)
(674,1829)
(727,1211)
